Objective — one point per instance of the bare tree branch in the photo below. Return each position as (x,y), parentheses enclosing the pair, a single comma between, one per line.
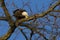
(31,35)
(8,34)
(54,15)
(38,15)
(56,11)
(11,22)
(23,33)
(3,18)
(34,30)
(5,10)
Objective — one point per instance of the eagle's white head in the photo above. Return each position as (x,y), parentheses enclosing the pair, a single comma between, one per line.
(25,14)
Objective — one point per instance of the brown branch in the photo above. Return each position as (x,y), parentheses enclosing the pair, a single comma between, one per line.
(5,10)
(54,15)
(23,34)
(11,22)
(8,34)
(3,18)
(56,11)
(34,30)
(31,34)
(38,15)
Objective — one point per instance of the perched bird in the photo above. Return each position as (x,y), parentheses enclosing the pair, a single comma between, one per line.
(20,14)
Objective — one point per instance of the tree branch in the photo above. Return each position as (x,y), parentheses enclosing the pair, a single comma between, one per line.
(3,18)
(5,10)
(8,34)
(38,15)
(54,15)
(34,30)
(11,22)
(23,33)
(56,11)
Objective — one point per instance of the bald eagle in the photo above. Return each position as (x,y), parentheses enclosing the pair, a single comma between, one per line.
(20,14)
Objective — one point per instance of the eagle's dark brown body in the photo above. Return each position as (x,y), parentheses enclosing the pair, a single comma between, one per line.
(18,13)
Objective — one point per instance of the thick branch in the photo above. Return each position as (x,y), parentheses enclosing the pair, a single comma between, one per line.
(5,10)
(11,22)
(8,34)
